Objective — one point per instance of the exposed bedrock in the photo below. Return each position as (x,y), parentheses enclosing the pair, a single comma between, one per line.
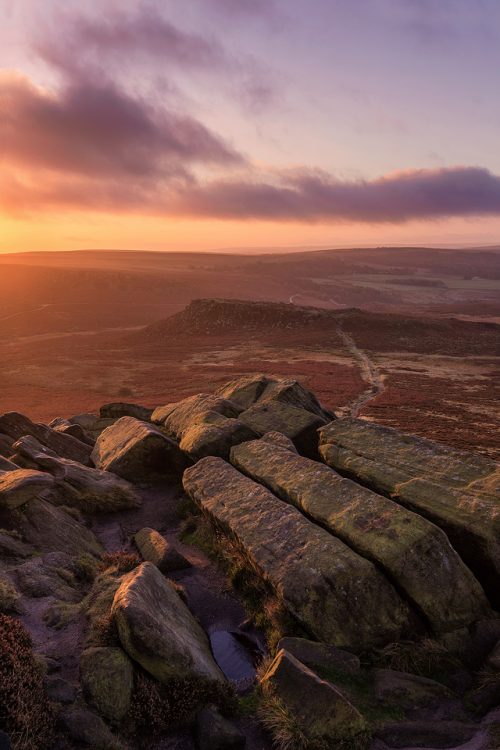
(138,451)
(299,425)
(204,425)
(17,425)
(414,553)
(457,490)
(336,595)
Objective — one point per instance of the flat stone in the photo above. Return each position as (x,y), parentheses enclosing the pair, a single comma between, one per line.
(158,631)
(118,409)
(412,551)
(138,451)
(337,596)
(456,490)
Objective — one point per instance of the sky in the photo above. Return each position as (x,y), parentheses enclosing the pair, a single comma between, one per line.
(208,124)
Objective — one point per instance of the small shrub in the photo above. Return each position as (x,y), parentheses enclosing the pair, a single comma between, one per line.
(119,562)
(157,709)
(86,568)
(8,597)
(25,711)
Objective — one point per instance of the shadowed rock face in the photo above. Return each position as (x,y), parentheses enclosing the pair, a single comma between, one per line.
(413,552)
(321,710)
(138,451)
(157,629)
(337,596)
(458,491)
(17,425)
(155,549)
(51,529)
(205,425)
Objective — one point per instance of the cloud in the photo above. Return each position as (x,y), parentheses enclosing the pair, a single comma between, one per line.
(119,38)
(315,196)
(98,129)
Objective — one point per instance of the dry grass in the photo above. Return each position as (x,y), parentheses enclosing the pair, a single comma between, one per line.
(426,658)
(25,711)
(119,562)
(9,597)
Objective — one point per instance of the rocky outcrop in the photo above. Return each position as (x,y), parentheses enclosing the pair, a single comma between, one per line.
(138,451)
(5,445)
(50,574)
(107,679)
(261,389)
(413,552)
(88,730)
(455,489)
(155,549)
(214,732)
(204,425)
(299,425)
(118,409)
(335,594)
(76,485)
(321,712)
(158,631)
(19,486)
(17,425)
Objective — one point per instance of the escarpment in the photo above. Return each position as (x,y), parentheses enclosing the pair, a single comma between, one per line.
(155,558)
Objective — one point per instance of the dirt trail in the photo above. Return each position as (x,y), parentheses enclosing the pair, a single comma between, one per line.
(369,372)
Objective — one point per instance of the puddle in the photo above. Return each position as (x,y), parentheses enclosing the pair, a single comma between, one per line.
(234,658)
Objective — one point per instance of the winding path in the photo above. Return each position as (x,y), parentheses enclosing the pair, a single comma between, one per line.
(369,372)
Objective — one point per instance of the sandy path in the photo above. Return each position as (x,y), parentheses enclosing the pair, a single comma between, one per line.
(369,372)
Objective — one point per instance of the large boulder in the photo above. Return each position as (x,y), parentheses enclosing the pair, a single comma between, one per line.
(5,445)
(155,549)
(457,490)
(428,734)
(88,730)
(323,714)
(214,732)
(158,631)
(412,551)
(107,678)
(51,529)
(299,425)
(7,465)
(205,425)
(17,425)
(77,485)
(258,388)
(336,595)
(19,486)
(138,451)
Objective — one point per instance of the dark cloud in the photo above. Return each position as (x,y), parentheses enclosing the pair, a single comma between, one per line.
(316,196)
(100,130)
(145,34)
